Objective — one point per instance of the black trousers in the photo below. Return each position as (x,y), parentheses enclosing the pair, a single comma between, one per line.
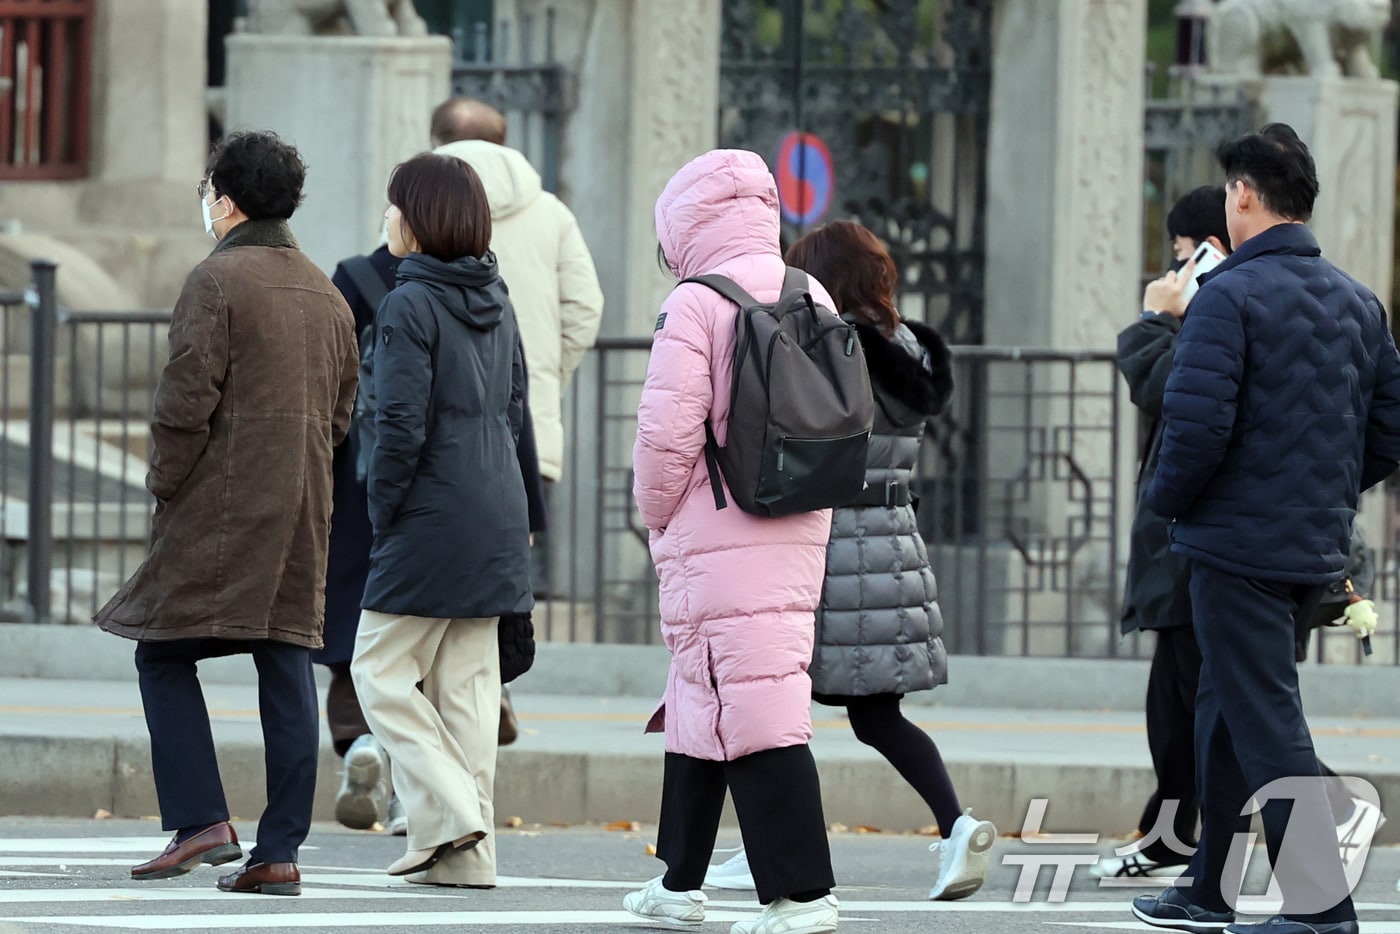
(778,800)
(344,715)
(188,785)
(1172,685)
(1171,736)
(1250,731)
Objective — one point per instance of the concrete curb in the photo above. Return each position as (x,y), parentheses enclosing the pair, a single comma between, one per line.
(86,653)
(74,777)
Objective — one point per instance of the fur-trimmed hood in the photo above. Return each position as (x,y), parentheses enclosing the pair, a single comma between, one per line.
(897,372)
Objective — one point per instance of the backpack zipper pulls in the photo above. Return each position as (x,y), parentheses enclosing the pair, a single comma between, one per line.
(850,341)
(780,456)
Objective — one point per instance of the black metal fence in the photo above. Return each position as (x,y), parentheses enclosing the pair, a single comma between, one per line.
(1026,525)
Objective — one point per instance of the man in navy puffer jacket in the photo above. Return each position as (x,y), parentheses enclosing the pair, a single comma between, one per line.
(1282,405)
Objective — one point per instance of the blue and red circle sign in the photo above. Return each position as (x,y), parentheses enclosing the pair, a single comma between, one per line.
(806,178)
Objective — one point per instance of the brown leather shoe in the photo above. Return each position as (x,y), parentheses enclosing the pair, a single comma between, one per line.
(214,845)
(264,878)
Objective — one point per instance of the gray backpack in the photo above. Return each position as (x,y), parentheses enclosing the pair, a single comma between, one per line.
(801,409)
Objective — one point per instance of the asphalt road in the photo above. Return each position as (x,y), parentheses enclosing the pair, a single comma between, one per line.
(61,876)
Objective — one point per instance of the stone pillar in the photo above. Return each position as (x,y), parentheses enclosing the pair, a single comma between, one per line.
(1065,169)
(1349,124)
(148,117)
(647,102)
(354,106)
(1064,247)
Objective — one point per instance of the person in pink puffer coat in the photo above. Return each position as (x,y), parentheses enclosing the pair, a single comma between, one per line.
(738,592)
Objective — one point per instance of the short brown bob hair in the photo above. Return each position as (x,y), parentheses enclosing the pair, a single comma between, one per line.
(856,269)
(444,205)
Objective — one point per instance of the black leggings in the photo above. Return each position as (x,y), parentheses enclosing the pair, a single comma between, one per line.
(878,722)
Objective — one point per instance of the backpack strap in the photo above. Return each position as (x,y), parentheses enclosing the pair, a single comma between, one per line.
(728,288)
(712,465)
(367,280)
(794,280)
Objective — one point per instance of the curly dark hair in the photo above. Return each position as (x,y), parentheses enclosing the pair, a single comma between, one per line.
(260,172)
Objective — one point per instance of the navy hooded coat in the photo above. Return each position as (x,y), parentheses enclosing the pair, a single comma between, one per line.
(446,497)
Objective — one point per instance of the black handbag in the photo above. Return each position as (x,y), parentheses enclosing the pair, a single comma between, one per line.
(517,640)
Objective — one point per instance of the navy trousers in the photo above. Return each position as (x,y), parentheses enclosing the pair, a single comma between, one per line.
(1250,731)
(188,785)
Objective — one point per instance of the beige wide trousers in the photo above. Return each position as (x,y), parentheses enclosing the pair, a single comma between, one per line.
(442,739)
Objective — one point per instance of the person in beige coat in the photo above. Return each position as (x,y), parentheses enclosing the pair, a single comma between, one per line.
(257,392)
(547,267)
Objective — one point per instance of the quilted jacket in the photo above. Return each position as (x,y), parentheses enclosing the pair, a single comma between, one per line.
(1282,404)
(738,592)
(879,625)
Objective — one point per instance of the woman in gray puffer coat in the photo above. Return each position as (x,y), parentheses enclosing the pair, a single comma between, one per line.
(878,625)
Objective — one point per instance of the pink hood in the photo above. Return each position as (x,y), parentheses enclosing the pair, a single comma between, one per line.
(738,593)
(718,207)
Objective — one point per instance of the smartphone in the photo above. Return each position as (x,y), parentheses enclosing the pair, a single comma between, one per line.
(1206,257)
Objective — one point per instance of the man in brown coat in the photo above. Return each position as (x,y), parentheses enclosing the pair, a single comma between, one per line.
(258,390)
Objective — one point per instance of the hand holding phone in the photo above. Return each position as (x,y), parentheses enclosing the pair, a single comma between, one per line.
(1205,258)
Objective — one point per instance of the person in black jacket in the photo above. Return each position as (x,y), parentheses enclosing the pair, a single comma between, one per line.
(1156,595)
(365,795)
(1283,403)
(451,522)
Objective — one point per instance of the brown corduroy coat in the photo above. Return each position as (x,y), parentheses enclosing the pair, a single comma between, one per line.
(257,392)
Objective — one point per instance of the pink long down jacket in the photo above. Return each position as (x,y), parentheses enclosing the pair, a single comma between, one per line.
(738,592)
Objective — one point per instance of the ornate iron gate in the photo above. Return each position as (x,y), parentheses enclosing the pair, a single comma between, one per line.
(875,110)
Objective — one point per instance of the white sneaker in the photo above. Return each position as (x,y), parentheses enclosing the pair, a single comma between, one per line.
(1358,830)
(364,788)
(733,873)
(963,865)
(398,818)
(658,904)
(788,917)
(1134,866)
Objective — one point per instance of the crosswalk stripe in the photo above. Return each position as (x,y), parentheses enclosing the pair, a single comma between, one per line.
(1371,927)
(128,894)
(362,920)
(95,846)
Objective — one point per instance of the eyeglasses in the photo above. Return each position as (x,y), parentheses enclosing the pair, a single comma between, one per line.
(203,188)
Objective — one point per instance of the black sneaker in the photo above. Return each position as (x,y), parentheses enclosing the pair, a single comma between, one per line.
(1171,910)
(1278,924)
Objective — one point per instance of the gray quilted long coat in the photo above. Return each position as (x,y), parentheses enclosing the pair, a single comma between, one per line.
(878,625)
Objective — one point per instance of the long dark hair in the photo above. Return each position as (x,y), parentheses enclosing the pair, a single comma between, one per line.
(856,269)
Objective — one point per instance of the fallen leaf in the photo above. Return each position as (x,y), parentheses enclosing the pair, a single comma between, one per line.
(627,825)
(929,831)
(651,849)
(102,814)
(866,828)
(838,828)
(559,823)
(514,822)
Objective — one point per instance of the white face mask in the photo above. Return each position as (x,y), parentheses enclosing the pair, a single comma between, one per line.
(209,220)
